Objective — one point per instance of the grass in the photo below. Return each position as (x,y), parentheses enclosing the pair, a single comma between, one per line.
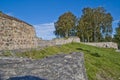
(100,63)
(6,53)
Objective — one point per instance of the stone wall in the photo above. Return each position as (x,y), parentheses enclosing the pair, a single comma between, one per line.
(59,41)
(104,44)
(58,67)
(66,40)
(15,34)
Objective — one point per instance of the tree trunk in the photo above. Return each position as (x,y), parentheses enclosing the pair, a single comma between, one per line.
(82,38)
(88,40)
(94,34)
(66,34)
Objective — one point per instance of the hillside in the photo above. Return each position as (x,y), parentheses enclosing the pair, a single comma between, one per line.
(100,63)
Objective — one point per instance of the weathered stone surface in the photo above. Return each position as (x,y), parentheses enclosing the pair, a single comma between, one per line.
(104,44)
(58,67)
(118,50)
(65,41)
(62,41)
(59,41)
(15,34)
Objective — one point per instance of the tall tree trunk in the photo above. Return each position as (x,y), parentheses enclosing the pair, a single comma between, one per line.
(88,40)
(82,38)
(94,34)
(66,34)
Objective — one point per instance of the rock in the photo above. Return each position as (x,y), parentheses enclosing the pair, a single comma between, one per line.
(118,50)
(58,67)
(104,44)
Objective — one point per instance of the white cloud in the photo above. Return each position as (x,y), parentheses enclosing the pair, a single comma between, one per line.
(45,31)
(10,14)
(115,21)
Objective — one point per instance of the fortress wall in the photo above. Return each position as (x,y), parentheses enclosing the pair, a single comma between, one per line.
(59,41)
(65,41)
(15,34)
(104,44)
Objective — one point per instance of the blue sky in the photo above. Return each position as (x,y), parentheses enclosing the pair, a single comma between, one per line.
(43,13)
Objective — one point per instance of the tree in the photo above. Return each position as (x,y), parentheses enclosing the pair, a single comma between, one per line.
(94,24)
(107,27)
(65,25)
(117,35)
(84,25)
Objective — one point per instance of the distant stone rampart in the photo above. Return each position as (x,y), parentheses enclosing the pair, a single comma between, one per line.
(62,41)
(104,44)
(59,41)
(15,34)
(66,40)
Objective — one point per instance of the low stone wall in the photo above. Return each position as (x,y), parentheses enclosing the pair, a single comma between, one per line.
(59,41)
(58,67)
(104,44)
(44,43)
(62,41)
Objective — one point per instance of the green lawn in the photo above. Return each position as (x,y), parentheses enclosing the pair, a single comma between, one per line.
(100,63)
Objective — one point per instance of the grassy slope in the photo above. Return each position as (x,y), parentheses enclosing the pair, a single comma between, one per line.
(100,63)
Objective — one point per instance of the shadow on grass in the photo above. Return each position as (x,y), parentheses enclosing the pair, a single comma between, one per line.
(26,78)
(95,54)
(88,51)
(83,49)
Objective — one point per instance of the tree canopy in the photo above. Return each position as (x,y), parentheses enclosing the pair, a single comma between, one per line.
(65,25)
(94,25)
